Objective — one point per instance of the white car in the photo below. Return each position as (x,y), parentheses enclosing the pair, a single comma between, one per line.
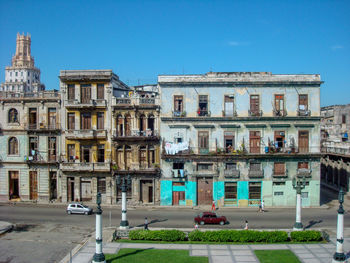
(78,208)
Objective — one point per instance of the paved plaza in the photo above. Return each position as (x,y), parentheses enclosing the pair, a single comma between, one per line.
(307,253)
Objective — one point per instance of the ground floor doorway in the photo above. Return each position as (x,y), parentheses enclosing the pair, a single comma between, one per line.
(205,190)
(70,189)
(13,185)
(86,191)
(33,185)
(53,185)
(146,191)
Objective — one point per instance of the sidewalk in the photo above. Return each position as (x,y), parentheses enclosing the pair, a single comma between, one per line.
(307,253)
(5,226)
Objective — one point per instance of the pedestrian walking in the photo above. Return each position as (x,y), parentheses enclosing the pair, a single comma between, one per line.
(213,208)
(260,207)
(246,225)
(146,224)
(263,206)
(196,226)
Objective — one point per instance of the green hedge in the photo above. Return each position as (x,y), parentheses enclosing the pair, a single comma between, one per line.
(305,236)
(157,235)
(238,236)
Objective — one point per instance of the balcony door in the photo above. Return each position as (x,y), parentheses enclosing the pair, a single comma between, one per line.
(85,92)
(303,141)
(86,154)
(254,141)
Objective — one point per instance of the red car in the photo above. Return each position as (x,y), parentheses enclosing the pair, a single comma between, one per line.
(210,218)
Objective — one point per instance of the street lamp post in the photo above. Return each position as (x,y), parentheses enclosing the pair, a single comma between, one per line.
(298,186)
(99,257)
(124,185)
(339,255)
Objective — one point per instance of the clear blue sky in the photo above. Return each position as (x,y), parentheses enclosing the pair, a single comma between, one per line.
(141,39)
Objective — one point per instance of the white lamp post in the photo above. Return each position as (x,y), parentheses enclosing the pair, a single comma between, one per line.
(339,255)
(298,186)
(98,256)
(124,185)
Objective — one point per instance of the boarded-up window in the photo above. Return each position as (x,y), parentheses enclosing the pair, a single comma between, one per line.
(52,148)
(71,121)
(303,165)
(231,190)
(303,141)
(71,152)
(101,185)
(71,92)
(255,166)
(254,105)
(100,91)
(101,153)
(254,190)
(128,157)
(142,157)
(279,103)
(178,103)
(128,125)
(86,121)
(85,93)
(303,102)
(100,120)
(152,155)
(229,105)
(13,146)
(203,140)
(279,168)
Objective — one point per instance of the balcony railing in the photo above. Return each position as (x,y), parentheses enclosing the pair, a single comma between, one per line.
(227,114)
(147,101)
(43,126)
(179,173)
(123,101)
(256,173)
(304,112)
(85,167)
(279,113)
(136,133)
(279,174)
(231,173)
(203,113)
(179,114)
(304,172)
(86,134)
(86,103)
(336,150)
(39,159)
(255,113)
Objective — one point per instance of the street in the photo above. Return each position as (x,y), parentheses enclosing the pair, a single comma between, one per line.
(46,233)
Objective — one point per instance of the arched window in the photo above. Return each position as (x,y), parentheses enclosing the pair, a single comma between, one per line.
(13,116)
(13,146)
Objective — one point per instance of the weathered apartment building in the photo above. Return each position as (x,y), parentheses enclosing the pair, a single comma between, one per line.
(238,138)
(108,130)
(29,131)
(335,147)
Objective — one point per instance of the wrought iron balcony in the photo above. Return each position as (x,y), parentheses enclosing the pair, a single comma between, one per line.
(304,113)
(85,167)
(86,103)
(179,113)
(203,113)
(279,174)
(231,173)
(257,113)
(86,134)
(256,173)
(279,113)
(179,173)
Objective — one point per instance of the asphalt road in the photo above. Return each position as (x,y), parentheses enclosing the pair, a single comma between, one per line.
(46,233)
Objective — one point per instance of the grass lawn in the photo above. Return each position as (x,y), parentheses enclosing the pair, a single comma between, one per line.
(132,255)
(276,256)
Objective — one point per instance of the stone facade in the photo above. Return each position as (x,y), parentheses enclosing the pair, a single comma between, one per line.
(238,138)
(335,162)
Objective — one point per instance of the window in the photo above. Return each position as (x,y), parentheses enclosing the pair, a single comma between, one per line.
(85,93)
(33,147)
(13,146)
(101,185)
(100,121)
(254,105)
(86,121)
(52,149)
(343,119)
(178,105)
(143,157)
(178,166)
(71,121)
(254,190)
(279,168)
(13,116)
(203,105)
(303,102)
(303,141)
(178,183)
(279,105)
(304,194)
(231,166)
(278,193)
(152,155)
(279,183)
(254,141)
(101,153)
(71,92)
(16,75)
(71,152)
(203,142)
(52,118)
(100,91)
(303,165)
(279,140)
(231,190)
(204,167)
(229,141)
(229,106)
(120,125)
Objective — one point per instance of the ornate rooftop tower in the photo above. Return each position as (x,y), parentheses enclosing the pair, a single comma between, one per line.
(22,76)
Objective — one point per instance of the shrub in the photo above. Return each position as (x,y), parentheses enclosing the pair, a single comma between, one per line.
(157,235)
(305,236)
(195,235)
